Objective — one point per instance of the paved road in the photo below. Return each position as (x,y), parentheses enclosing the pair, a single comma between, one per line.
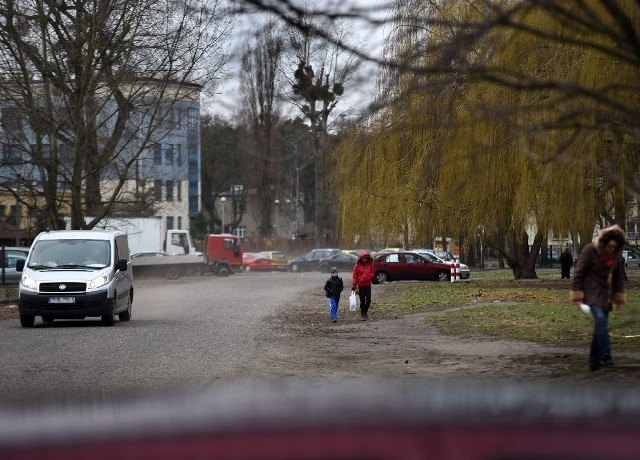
(184,332)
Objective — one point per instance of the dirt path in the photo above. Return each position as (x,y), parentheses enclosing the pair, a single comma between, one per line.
(302,342)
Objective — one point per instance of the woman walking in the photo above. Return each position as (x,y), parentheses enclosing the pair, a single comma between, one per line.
(598,281)
(361,282)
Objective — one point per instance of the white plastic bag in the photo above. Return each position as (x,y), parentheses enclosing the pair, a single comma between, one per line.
(352,301)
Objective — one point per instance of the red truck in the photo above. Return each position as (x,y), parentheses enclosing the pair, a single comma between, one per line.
(222,254)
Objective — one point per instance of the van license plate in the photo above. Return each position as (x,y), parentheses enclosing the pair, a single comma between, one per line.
(62,300)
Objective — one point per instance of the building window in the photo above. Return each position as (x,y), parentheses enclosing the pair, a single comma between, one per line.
(157,190)
(169,185)
(157,154)
(178,190)
(168,155)
(11,154)
(169,222)
(45,151)
(11,119)
(240,231)
(179,154)
(179,222)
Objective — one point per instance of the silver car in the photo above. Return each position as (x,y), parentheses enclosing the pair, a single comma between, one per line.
(631,259)
(8,273)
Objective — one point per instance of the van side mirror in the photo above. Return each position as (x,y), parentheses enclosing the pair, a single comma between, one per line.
(20,265)
(122,265)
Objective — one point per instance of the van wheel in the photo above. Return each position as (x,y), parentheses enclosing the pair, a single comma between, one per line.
(126,315)
(27,320)
(223,270)
(109,319)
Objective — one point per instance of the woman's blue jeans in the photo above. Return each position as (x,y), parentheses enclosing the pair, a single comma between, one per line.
(600,345)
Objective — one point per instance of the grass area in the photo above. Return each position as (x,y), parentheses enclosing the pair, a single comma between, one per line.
(528,310)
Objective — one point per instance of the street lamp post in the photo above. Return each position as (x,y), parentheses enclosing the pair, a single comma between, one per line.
(482,247)
(288,218)
(277,203)
(223,200)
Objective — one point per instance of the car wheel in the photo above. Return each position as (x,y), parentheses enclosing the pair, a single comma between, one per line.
(27,320)
(442,275)
(126,315)
(47,319)
(223,270)
(247,269)
(381,277)
(295,268)
(109,318)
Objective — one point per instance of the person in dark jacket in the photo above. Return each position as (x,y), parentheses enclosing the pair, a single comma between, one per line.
(333,287)
(361,282)
(566,262)
(598,283)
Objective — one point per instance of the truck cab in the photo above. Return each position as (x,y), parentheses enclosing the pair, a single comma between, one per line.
(223,254)
(179,242)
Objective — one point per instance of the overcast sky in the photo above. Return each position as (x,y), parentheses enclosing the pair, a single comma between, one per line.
(357,93)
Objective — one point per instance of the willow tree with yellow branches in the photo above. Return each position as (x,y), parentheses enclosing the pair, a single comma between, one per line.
(517,118)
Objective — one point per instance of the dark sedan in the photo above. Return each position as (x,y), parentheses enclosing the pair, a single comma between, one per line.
(311,260)
(396,266)
(342,261)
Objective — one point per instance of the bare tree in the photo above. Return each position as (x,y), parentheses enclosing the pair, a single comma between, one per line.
(91,86)
(222,168)
(261,63)
(322,70)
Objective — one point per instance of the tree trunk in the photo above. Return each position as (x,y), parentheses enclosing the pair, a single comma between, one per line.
(523,258)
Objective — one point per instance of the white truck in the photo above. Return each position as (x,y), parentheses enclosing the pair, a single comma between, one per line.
(147,234)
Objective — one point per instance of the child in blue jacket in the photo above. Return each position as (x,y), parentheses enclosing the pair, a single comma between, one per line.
(333,287)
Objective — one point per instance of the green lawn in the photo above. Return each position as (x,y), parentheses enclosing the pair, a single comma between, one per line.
(528,310)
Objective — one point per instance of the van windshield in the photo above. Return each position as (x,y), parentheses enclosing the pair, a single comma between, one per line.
(91,254)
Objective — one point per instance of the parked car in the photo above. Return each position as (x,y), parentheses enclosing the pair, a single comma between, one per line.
(342,261)
(631,259)
(255,261)
(11,256)
(356,252)
(445,255)
(311,260)
(277,259)
(404,265)
(150,254)
(465,273)
(392,249)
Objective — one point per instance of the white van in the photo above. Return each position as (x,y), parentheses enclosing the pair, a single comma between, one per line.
(75,274)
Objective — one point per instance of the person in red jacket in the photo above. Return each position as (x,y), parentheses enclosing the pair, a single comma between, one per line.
(361,282)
